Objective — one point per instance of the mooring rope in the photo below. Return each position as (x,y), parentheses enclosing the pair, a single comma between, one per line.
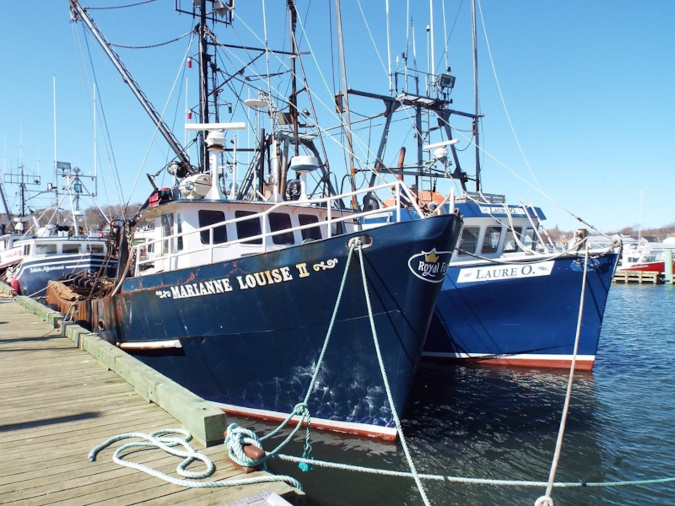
(160,438)
(411,464)
(475,481)
(546,499)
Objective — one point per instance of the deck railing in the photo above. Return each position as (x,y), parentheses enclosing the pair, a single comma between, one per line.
(337,221)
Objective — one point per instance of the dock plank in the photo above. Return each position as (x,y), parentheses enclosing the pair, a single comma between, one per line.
(57,402)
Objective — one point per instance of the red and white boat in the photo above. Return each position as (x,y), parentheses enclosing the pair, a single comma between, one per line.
(641,257)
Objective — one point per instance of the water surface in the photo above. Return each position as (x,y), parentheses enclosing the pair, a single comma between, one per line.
(502,424)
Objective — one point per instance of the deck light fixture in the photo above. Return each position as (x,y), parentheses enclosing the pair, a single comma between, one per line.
(445,81)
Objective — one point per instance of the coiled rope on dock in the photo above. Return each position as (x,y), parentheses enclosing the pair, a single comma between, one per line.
(163,440)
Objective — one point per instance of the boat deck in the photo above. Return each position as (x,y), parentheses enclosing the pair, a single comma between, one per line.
(57,402)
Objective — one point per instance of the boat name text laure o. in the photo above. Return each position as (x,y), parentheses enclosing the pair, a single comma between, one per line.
(509,272)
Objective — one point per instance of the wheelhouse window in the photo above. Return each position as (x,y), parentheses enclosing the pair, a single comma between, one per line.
(529,239)
(167,230)
(491,239)
(337,228)
(45,249)
(207,218)
(95,248)
(469,240)
(278,223)
(179,231)
(313,233)
(249,227)
(510,243)
(70,248)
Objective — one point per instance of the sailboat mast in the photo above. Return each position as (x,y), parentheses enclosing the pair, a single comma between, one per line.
(476,128)
(56,172)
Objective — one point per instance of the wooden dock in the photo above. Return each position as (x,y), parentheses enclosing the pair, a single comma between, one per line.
(638,277)
(57,402)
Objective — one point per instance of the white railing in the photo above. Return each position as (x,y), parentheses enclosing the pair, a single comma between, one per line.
(334,216)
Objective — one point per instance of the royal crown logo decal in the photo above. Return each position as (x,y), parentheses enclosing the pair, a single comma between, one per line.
(431,265)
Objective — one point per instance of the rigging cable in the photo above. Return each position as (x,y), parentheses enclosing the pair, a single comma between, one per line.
(113,7)
(501,96)
(102,117)
(370,34)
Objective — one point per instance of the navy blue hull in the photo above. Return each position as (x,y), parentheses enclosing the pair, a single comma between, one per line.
(251,330)
(34,274)
(529,321)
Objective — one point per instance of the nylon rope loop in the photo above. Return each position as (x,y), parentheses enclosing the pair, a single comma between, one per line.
(397,421)
(160,439)
(568,395)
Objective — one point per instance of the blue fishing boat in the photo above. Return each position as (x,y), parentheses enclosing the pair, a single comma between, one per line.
(258,296)
(508,301)
(511,296)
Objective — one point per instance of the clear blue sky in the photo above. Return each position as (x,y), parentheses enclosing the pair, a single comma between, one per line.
(588,86)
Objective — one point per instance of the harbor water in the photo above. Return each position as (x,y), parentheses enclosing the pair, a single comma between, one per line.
(502,424)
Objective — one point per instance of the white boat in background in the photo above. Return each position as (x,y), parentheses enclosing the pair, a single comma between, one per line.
(646,257)
(32,254)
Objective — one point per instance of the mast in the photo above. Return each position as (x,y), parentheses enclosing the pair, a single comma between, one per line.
(475,93)
(204,62)
(293,19)
(350,145)
(293,99)
(77,13)
(56,171)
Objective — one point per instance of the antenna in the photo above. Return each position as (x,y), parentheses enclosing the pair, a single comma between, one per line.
(445,37)
(433,52)
(388,48)
(56,177)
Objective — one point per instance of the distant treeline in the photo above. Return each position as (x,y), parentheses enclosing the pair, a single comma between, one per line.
(650,234)
(96,218)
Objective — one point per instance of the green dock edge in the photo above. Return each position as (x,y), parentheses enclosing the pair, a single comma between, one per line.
(205,422)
